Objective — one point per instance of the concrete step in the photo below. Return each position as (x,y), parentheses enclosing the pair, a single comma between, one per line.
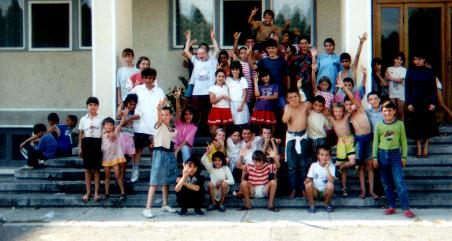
(442,139)
(38,200)
(433,149)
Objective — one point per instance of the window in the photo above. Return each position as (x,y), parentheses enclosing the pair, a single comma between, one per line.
(11,24)
(50,25)
(201,15)
(85,23)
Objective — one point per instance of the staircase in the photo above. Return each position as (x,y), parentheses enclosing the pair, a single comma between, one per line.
(61,183)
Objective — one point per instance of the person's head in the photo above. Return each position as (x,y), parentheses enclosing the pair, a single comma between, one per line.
(235,135)
(127,56)
(290,50)
(329,45)
(264,77)
(202,52)
(220,135)
(143,63)
(193,166)
(242,54)
(220,77)
(223,57)
(418,59)
(187,115)
(249,41)
(349,83)
(345,60)
(338,111)
(148,75)
(165,114)
(266,132)
(71,121)
(323,154)
(287,37)
(389,111)
(293,97)
(348,104)
(39,129)
(268,17)
(130,101)
(376,64)
(324,84)
(92,103)
(258,158)
(373,98)
(319,104)
(53,119)
(399,59)
(218,159)
(205,46)
(236,70)
(108,124)
(272,48)
(246,133)
(304,43)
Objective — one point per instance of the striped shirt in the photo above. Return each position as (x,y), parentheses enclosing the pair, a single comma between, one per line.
(247,73)
(259,176)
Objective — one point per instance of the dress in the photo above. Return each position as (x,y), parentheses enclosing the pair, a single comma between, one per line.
(112,152)
(236,88)
(328,65)
(264,109)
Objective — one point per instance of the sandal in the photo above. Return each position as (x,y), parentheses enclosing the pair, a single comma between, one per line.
(106,196)
(273,209)
(86,197)
(97,198)
(122,197)
(244,208)
(425,155)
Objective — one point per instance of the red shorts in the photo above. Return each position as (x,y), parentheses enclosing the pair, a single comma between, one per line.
(263,117)
(219,116)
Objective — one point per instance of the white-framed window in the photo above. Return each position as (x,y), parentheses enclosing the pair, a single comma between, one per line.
(230,16)
(84,13)
(50,25)
(12,29)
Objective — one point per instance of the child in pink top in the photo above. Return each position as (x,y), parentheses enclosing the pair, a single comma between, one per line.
(186,130)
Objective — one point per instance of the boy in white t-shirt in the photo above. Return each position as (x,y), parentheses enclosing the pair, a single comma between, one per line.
(396,76)
(123,74)
(317,126)
(319,183)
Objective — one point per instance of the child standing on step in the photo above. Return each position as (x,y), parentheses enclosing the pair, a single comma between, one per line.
(390,154)
(90,141)
(164,165)
(113,155)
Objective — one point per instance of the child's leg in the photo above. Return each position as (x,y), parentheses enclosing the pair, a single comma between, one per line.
(385,173)
(213,128)
(350,163)
(224,191)
(151,193)
(107,171)
(271,192)
(397,173)
(87,184)
(371,179)
(328,193)
(211,188)
(344,178)
(310,192)
(96,184)
(165,191)
(362,180)
(418,148)
(118,176)
(246,190)
(425,148)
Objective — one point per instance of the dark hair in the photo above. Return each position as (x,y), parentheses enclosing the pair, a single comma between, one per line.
(243,47)
(324,147)
(168,109)
(234,129)
(53,117)
(223,52)
(185,110)
(293,90)
(236,65)
(329,40)
(108,120)
(373,93)
(401,55)
(375,61)
(258,155)
(292,48)
(325,79)
(304,37)
(246,127)
(389,105)
(73,118)
(195,160)
(349,80)
(339,105)
(269,12)
(149,72)
(291,35)
(218,71)
(419,54)
(319,99)
(205,46)
(141,59)
(37,128)
(346,98)
(129,98)
(127,51)
(271,43)
(92,100)
(345,56)
(264,72)
(221,156)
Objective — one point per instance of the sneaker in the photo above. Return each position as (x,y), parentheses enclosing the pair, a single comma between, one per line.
(390,211)
(168,209)
(199,212)
(329,209)
(221,208)
(147,213)
(211,207)
(409,214)
(311,210)
(182,212)
(24,153)
(344,192)
(135,174)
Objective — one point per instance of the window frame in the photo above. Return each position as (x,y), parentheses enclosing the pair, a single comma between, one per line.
(23,31)
(30,26)
(79,17)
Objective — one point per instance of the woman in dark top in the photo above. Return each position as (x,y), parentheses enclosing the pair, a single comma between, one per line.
(420,96)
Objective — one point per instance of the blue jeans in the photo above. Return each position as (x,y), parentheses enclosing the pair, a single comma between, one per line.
(298,163)
(313,145)
(186,153)
(390,165)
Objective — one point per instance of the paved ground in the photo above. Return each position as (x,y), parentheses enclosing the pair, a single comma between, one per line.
(290,224)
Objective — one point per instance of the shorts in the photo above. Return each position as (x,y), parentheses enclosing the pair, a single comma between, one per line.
(345,148)
(127,144)
(92,153)
(142,140)
(260,191)
(363,148)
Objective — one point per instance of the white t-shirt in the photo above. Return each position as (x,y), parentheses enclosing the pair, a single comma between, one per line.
(203,75)
(236,88)
(319,175)
(397,90)
(146,108)
(122,79)
(91,127)
(256,144)
(219,91)
(317,123)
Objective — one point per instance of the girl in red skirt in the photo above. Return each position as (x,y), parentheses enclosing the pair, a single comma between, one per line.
(266,92)
(220,114)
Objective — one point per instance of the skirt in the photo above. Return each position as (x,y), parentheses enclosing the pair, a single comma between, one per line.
(421,123)
(92,153)
(219,116)
(127,144)
(263,117)
(239,117)
(164,167)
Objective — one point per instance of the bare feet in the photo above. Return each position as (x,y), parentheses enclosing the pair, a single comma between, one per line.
(86,197)
(362,195)
(292,195)
(97,198)
(374,196)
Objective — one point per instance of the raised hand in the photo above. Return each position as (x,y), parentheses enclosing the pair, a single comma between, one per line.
(188,35)
(254,11)
(340,83)
(243,152)
(212,35)
(163,103)
(237,35)
(363,38)
(313,51)
(177,93)
(363,70)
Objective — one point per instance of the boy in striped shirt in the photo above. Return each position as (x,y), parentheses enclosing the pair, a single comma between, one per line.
(260,181)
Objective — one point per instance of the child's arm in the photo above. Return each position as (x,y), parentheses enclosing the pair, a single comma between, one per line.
(403,144)
(177,94)
(236,43)
(251,60)
(29,139)
(244,93)
(375,145)
(182,182)
(80,137)
(257,93)
(275,156)
(362,39)
(330,176)
(239,163)
(122,122)
(287,114)
(215,44)
(162,103)
(340,84)
(187,52)
(205,161)
(364,81)
(251,21)
(214,99)
(274,145)
(229,177)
